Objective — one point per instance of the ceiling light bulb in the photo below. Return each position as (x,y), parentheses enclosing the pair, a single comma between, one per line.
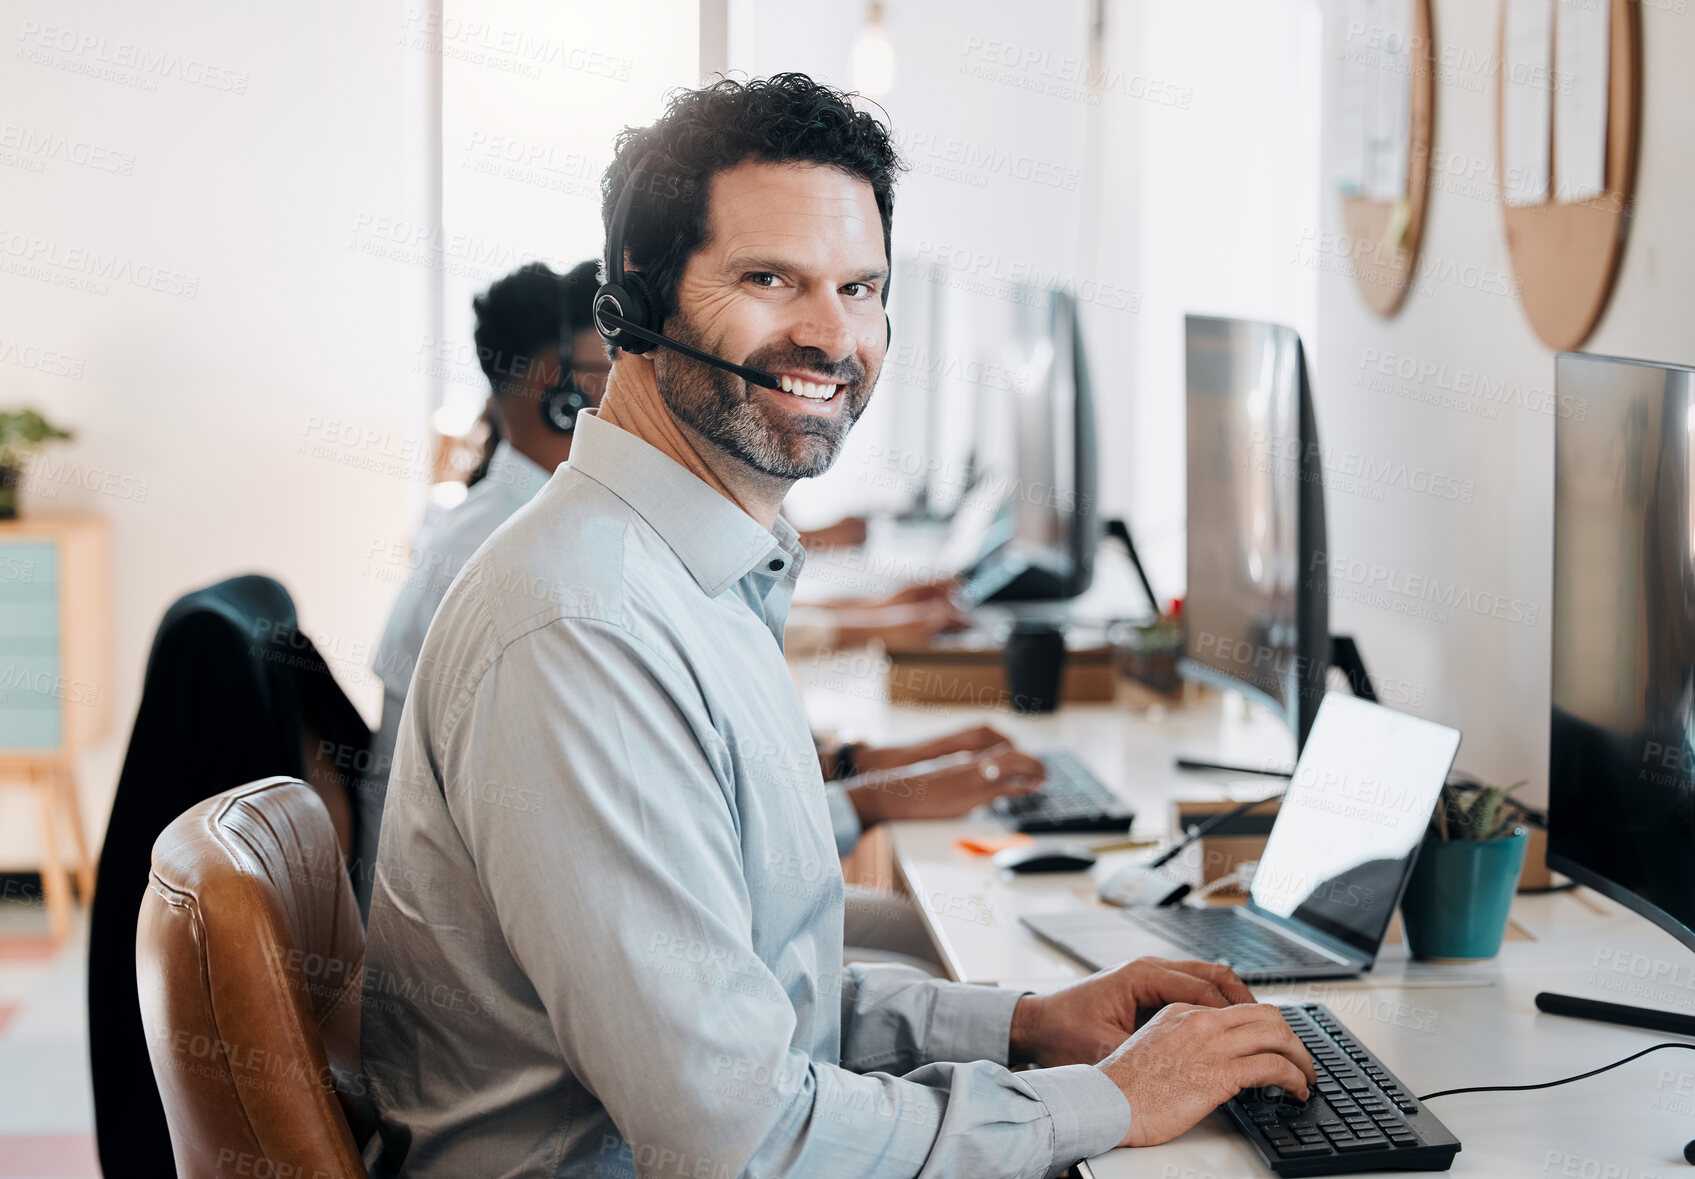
(874,57)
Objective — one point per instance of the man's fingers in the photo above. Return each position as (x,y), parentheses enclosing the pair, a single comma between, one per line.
(1269,1068)
(1269,1034)
(1221,976)
(1179,986)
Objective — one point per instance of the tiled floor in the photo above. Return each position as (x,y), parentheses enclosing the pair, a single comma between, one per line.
(46,1109)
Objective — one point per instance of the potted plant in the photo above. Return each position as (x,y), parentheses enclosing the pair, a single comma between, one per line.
(22,433)
(1455,907)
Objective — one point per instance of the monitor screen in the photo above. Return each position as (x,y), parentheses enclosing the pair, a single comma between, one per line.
(1621,787)
(1356,811)
(1032,466)
(1258,607)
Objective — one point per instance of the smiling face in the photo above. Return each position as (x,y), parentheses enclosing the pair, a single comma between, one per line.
(789,279)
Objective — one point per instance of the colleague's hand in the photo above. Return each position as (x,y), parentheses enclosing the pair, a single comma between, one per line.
(1187,1061)
(940,589)
(945,787)
(902,627)
(1088,1020)
(847,532)
(972,740)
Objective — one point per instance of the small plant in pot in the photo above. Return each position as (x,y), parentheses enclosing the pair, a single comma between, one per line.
(22,433)
(1456,904)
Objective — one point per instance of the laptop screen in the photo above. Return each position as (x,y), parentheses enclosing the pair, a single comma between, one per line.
(1357,808)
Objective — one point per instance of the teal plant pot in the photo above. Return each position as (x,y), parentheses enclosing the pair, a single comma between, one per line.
(1455,907)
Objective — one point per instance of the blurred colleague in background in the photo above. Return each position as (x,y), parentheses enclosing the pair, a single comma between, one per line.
(544,361)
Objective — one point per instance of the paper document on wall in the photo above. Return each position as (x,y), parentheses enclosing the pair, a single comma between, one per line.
(1391,124)
(1581,48)
(1526,107)
(1374,119)
(1352,100)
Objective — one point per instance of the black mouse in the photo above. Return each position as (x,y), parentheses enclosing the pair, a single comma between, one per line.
(1067,857)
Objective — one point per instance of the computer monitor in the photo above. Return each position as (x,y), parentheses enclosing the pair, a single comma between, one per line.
(1257,612)
(1036,460)
(1621,786)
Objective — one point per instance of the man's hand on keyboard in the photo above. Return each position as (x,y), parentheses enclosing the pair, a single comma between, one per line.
(944,787)
(1187,1061)
(1088,1020)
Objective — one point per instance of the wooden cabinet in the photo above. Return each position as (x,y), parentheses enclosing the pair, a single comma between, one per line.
(55,681)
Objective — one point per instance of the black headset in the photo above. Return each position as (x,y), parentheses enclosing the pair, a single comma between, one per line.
(625,312)
(563,400)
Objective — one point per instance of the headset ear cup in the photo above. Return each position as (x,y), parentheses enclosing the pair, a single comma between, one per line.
(561,404)
(889,332)
(631,300)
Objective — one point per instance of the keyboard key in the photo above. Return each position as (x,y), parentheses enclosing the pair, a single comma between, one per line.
(1360,1145)
(1302,1150)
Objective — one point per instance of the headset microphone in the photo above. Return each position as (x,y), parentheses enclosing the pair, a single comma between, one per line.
(624,311)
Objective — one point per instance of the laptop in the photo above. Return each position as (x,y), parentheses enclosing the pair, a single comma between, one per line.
(1333,870)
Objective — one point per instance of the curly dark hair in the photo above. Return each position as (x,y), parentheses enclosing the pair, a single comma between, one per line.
(526,312)
(785,118)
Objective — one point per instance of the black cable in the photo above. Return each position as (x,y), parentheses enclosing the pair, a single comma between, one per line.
(1212,823)
(1565,1081)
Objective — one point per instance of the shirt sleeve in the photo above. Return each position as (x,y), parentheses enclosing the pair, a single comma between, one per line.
(627,906)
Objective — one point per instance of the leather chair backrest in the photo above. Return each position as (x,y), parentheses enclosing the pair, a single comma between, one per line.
(249,960)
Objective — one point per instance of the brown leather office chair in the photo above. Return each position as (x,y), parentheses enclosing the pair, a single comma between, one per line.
(249,957)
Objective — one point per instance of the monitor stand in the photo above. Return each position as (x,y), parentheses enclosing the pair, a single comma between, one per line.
(1344,656)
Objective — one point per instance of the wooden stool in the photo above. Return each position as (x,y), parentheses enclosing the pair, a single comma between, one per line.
(55,790)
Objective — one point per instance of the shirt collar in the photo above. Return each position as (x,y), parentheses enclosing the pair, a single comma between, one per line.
(516,472)
(717,542)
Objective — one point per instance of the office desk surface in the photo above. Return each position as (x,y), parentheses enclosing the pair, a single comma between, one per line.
(1436,1026)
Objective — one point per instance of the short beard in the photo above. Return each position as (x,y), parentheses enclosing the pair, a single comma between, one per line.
(722,409)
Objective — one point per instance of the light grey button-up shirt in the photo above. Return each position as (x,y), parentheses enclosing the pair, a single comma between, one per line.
(443,544)
(606,935)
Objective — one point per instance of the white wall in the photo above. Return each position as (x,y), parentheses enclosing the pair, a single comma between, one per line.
(267,421)
(1204,178)
(1486,675)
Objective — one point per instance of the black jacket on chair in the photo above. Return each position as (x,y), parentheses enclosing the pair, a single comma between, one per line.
(231,687)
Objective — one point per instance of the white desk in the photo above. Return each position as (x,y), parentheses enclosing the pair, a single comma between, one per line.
(1436,1027)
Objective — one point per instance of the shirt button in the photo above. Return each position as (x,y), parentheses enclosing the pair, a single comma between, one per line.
(776,566)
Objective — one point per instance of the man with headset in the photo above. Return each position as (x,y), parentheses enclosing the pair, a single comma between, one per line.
(606,932)
(545,362)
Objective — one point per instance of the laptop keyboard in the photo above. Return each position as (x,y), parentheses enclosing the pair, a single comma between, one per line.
(1224,935)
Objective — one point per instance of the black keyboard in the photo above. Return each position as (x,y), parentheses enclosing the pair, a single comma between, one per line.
(1071,799)
(1225,935)
(1359,1117)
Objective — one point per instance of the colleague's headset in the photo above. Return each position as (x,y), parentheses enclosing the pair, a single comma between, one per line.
(625,312)
(563,400)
